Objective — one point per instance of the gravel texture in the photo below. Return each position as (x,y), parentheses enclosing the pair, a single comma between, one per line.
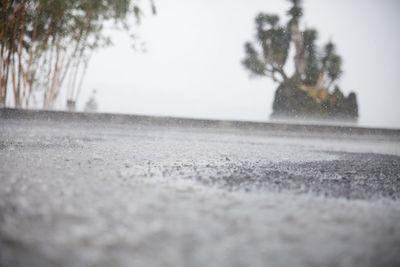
(111,194)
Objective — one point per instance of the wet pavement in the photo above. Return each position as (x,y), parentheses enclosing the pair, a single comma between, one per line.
(74,193)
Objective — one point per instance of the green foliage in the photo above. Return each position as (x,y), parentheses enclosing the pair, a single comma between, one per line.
(334,67)
(312,70)
(252,62)
(292,102)
(296,11)
(316,69)
(309,38)
(279,46)
(328,51)
(266,19)
(56,35)
(275,43)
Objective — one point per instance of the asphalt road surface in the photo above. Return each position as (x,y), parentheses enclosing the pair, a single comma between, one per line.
(100,192)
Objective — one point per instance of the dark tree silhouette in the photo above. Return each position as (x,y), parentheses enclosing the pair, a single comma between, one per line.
(308,91)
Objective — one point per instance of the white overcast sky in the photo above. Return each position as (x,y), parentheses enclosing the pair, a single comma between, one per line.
(194,48)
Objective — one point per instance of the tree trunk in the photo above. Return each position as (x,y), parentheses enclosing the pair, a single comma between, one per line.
(21,38)
(30,57)
(299,58)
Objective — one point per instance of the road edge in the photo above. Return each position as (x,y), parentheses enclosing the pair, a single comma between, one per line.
(47,115)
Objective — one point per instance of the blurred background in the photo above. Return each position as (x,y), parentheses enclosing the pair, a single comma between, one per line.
(194,48)
(187,61)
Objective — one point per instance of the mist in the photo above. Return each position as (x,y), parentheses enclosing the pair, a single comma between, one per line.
(191,67)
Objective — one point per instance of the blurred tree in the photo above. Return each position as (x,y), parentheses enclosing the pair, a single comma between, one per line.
(307,91)
(91,103)
(44,42)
